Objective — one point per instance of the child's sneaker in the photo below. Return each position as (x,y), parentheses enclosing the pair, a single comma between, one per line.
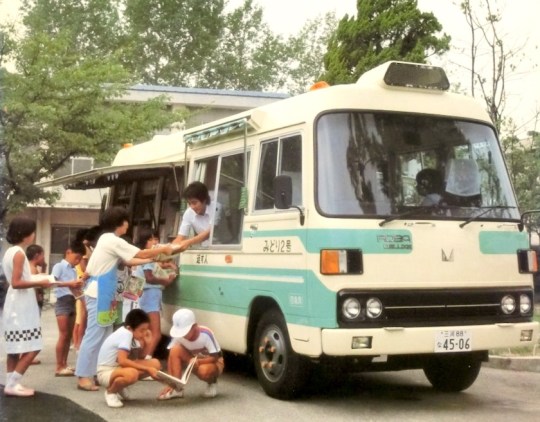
(124,394)
(113,400)
(171,393)
(18,391)
(211,391)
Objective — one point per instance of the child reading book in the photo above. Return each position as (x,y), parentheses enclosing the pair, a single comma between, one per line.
(190,340)
(116,368)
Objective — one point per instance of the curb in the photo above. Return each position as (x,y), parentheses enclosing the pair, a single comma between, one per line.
(514,363)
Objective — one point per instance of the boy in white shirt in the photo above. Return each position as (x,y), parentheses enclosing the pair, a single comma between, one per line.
(190,340)
(116,370)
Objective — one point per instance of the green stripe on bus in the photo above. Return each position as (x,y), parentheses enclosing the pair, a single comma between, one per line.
(231,290)
(371,241)
(502,242)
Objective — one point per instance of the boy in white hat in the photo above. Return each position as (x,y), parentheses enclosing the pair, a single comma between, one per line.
(189,340)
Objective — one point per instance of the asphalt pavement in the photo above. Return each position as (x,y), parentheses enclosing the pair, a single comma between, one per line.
(57,398)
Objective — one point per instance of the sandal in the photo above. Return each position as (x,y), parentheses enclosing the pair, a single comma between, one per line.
(87,386)
(65,372)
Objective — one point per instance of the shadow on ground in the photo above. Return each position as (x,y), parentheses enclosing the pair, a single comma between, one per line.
(43,407)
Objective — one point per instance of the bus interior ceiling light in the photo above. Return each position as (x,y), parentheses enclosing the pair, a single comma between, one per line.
(413,75)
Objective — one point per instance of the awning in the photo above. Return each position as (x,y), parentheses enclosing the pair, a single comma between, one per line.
(107,176)
(218,130)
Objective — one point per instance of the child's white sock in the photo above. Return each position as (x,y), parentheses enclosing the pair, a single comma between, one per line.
(8,376)
(13,379)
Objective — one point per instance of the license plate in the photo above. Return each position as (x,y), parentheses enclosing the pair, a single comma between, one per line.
(453,341)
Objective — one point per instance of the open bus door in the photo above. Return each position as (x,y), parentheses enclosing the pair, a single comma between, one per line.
(151,192)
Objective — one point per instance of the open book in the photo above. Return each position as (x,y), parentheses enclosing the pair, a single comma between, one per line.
(177,383)
(40,277)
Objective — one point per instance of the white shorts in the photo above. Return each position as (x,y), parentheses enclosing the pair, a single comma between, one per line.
(104,373)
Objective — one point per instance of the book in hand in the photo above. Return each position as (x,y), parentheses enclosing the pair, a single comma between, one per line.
(133,287)
(41,277)
(177,383)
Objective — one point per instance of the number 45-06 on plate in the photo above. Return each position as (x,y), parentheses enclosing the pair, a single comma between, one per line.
(453,341)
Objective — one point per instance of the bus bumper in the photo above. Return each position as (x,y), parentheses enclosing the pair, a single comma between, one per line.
(406,340)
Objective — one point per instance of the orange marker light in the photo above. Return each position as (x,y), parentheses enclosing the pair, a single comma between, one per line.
(319,85)
(330,262)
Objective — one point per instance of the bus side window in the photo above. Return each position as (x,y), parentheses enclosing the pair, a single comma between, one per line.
(279,157)
(228,216)
(291,165)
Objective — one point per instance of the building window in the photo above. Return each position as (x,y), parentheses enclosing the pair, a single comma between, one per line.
(61,238)
(75,165)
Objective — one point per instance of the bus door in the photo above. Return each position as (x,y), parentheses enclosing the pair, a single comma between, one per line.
(276,238)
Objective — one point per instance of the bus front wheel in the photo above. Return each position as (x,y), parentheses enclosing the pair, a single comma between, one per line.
(281,372)
(452,373)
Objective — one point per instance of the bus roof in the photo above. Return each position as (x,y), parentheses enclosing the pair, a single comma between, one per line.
(372,92)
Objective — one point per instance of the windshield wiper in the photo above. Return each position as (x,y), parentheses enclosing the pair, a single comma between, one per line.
(477,216)
(411,212)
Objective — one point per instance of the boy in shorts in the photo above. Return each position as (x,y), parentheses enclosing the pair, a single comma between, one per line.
(116,369)
(189,340)
(64,307)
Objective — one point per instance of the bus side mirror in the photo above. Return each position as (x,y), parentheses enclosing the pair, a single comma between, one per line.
(282,192)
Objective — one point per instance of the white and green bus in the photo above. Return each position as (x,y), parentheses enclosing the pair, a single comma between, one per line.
(323,249)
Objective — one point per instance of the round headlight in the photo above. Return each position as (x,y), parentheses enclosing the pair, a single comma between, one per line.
(524,304)
(351,308)
(508,304)
(373,307)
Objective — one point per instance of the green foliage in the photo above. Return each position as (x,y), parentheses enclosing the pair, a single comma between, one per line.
(382,30)
(171,41)
(59,105)
(523,161)
(249,56)
(306,51)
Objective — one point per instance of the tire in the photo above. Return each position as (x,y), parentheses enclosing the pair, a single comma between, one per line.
(452,373)
(280,371)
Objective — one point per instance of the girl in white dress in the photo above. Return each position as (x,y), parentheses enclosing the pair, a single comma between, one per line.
(22,326)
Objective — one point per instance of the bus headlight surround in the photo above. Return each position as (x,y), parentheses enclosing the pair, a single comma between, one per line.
(351,308)
(374,307)
(524,304)
(508,304)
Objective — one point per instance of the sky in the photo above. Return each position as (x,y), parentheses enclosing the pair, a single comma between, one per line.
(519,30)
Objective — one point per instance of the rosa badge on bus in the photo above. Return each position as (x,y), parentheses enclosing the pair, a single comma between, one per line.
(453,341)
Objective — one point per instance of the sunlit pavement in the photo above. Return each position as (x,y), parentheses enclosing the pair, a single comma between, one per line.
(43,406)
(57,398)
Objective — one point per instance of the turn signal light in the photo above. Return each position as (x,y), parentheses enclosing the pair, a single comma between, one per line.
(341,261)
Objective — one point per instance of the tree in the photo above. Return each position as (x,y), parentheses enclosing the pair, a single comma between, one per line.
(485,36)
(170,42)
(58,105)
(382,30)
(249,56)
(492,62)
(94,25)
(306,50)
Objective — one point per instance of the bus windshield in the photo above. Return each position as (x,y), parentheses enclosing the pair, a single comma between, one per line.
(385,164)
